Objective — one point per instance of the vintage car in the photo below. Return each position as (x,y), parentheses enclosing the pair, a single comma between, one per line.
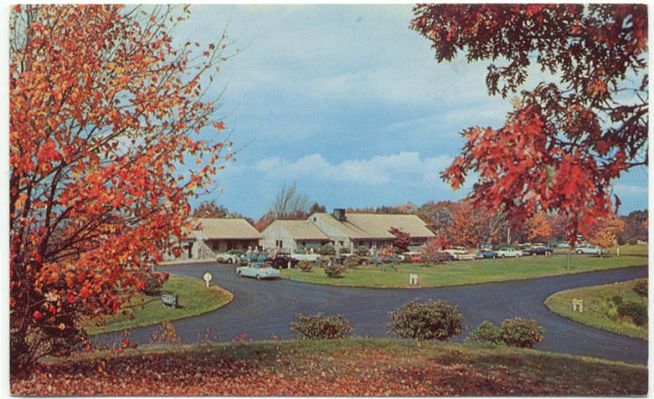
(258,270)
(508,252)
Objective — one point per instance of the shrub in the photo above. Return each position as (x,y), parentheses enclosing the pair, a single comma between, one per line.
(320,326)
(305,265)
(361,251)
(344,251)
(521,332)
(438,320)
(154,283)
(486,332)
(640,287)
(636,311)
(328,249)
(334,270)
(352,261)
(633,242)
(617,299)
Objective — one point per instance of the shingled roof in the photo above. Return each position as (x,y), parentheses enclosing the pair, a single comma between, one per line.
(301,229)
(225,229)
(361,226)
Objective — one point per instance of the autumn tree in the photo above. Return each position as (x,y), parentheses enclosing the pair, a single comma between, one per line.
(566,140)
(104,107)
(289,203)
(538,227)
(209,209)
(635,227)
(606,231)
(437,215)
(401,241)
(317,208)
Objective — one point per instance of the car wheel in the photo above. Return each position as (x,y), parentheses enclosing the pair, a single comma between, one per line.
(579,252)
(502,256)
(238,273)
(258,277)
(229,261)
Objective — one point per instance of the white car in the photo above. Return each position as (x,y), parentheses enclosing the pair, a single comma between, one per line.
(301,255)
(589,250)
(508,253)
(227,258)
(460,253)
(258,270)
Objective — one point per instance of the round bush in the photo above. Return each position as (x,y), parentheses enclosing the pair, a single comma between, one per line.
(305,265)
(640,287)
(486,332)
(352,261)
(521,332)
(361,251)
(438,320)
(334,270)
(320,326)
(328,249)
(636,311)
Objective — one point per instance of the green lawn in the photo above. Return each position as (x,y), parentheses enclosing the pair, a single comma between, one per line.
(349,367)
(466,272)
(599,309)
(194,298)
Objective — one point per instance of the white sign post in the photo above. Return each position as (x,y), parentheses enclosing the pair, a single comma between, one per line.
(413,279)
(207,278)
(578,304)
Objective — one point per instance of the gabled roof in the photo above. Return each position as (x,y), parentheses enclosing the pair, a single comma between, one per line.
(360,226)
(301,229)
(225,229)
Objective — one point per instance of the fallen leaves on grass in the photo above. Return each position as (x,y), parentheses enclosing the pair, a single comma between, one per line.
(279,370)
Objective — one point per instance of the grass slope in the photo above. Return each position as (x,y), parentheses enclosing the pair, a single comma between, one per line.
(597,305)
(466,272)
(194,299)
(351,367)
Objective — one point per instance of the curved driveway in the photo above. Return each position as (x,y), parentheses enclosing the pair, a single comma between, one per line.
(263,309)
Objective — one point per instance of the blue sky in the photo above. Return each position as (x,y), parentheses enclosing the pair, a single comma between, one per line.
(348,102)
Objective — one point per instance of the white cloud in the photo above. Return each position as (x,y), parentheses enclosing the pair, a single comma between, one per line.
(409,167)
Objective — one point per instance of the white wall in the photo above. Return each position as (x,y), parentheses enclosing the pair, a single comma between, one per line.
(274,233)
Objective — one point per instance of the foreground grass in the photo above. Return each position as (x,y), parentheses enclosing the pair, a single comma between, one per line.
(380,367)
(598,304)
(194,298)
(466,272)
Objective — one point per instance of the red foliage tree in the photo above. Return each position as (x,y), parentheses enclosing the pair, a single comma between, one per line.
(401,241)
(539,228)
(103,108)
(564,143)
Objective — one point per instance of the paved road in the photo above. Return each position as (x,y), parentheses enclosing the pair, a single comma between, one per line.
(263,309)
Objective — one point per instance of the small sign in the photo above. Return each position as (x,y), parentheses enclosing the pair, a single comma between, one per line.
(207,278)
(413,279)
(578,304)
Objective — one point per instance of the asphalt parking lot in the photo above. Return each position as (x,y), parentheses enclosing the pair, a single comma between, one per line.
(262,309)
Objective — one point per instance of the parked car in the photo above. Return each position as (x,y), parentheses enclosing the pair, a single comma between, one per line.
(539,250)
(460,253)
(227,257)
(589,250)
(282,260)
(258,270)
(508,252)
(301,254)
(486,254)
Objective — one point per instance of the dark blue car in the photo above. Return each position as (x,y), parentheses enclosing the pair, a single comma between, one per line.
(486,254)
